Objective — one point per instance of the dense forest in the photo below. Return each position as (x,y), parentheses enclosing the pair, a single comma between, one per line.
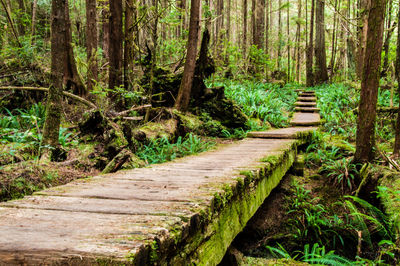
(95,86)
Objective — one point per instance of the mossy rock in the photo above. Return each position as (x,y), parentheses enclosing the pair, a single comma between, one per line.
(152,130)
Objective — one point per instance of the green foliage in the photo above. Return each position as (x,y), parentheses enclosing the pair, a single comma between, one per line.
(337,103)
(315,255)
(264,101)
(20,131)
(341,173)
(161,150)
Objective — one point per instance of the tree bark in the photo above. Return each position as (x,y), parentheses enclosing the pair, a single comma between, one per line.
(365,139)
(115,45)
(298,37)
(33,29)
(129,58)
(91,43)
(260,24)
(390,29)
(321,72)
(396,149)
(279,36)
(362,35)
(105,16)
(182,101)
(58,57)
(244,27)
(72,79)
(310,50)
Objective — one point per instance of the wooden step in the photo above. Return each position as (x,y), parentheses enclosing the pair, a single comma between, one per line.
(307,109)
(306,94)
(305,119)
(305,104)
(282,133)
(306,99)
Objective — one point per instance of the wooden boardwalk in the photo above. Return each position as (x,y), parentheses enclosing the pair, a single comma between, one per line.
(182,212)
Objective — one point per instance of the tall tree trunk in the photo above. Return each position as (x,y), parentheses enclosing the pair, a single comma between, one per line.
(396,149)
(244,37)
(58,57)
(321,73)
(253,21)
(33,28)
(182,101)
(298,39)
(116,39)
(288,39)
(91,43)
(351,62)
(21,22)
(390,29)
(279,55)
(105,16)
(130,17)
(365,139)
(310,50)
(260,24)
(71,78)
(362,35)
(267,25)
(333,46)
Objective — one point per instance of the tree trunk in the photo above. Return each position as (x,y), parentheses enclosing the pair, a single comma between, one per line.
(288,40)
(91,43)
(267,28)
(244,27)
(71,78)
(362,35)
(21,22)
(279,36)
(33,29)
(260,24)
(105,16)
(58,57)
(365,139)
(396,149)
(116,39)
(298,39)
(182,101)
(129,58)
(310,50)
(389,33)
(321,73)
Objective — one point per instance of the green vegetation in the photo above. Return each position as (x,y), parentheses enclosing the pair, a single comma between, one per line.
(267,102)
(162,150)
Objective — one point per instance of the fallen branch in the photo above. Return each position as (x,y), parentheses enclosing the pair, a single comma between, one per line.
(390,161)
(68,94)
(134,108)
(133,118)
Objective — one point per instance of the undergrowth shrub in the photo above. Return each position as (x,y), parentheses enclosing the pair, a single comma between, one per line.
(162,150)
(264,101)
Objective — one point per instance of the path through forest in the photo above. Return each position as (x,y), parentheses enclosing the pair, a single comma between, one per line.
(183,211)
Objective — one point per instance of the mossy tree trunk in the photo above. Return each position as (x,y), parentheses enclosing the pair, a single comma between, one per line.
(182,101)
(58,57)
(365,139)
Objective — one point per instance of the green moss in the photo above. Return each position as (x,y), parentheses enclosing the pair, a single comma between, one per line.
(153,252)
